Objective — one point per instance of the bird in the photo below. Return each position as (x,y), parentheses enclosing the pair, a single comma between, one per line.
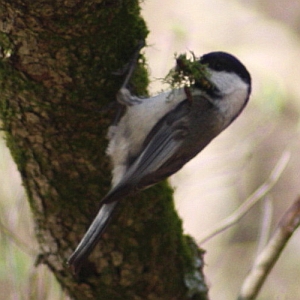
(158,135)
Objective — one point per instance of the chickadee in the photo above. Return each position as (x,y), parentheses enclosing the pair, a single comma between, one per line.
(156,136)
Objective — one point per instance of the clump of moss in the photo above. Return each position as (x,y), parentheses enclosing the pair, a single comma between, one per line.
(187,72)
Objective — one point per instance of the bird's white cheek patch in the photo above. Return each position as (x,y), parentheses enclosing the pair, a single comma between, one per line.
(234,91)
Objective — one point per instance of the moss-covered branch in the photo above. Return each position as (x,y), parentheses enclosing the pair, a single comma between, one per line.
(57,66)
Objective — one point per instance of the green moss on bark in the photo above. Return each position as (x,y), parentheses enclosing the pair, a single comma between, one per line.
(57,85)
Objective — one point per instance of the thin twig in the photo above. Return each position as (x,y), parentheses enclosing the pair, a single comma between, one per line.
(269,255)
(250,201)
(266,221)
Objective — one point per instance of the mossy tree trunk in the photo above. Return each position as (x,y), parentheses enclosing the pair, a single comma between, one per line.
(57,84)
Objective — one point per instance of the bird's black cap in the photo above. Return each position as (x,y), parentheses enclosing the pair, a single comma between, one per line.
(222,61)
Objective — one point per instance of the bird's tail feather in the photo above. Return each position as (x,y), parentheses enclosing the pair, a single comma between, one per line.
(92,236)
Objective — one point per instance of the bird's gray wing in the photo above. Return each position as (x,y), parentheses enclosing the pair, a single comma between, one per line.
(161,144)
(163,141)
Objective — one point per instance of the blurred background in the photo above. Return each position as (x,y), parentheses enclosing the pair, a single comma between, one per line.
(265,36)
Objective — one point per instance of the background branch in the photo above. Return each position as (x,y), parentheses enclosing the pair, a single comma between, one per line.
(262,191)
(267,258)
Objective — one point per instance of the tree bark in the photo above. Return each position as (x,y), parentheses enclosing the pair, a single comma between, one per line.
(57,86)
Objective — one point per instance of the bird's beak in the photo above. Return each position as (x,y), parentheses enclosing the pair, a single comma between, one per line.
(205,84)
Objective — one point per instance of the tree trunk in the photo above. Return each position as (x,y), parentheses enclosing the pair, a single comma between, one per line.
(57,86)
